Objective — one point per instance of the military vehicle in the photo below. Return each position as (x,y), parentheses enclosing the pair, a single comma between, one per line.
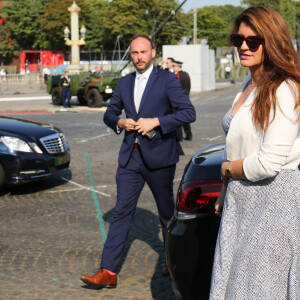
(90,89)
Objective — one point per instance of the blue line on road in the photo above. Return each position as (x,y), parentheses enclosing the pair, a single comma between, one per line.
(96,201)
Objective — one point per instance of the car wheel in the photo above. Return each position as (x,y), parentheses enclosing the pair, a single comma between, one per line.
(94,98)
(80,97)
(2,179)
(56,96)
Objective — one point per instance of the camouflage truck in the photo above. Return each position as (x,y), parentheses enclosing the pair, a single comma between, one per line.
(90,89)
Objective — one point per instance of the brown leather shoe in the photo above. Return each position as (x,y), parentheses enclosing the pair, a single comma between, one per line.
(101,279)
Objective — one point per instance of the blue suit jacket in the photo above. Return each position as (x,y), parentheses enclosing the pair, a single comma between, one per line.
(164,98)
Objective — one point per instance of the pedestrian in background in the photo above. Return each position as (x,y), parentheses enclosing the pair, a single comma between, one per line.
(185,80)
(227,71)
(46,73)
(65,83)
(257,253)
(149,151)
(169,64)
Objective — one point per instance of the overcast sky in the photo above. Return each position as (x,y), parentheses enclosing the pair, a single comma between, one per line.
(200,3)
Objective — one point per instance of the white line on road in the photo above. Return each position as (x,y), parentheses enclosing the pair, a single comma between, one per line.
(84,187)
(214,138)
(95,137)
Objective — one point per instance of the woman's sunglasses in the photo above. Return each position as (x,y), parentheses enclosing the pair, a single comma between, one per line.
(253,42)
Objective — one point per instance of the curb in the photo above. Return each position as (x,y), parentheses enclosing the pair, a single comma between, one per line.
(54,110)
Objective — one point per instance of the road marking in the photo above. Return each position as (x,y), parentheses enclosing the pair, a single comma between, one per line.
(93,189)
(214,138)
(96,201)
(95,137)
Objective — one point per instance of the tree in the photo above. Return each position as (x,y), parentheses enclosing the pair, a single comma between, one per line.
(7,45)
(95,33)
(285,7)
(23,19)
(129,17)
(214,23)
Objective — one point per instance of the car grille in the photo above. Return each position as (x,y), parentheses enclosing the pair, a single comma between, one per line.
(54,143)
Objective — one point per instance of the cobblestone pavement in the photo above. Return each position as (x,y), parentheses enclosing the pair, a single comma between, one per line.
(50,230)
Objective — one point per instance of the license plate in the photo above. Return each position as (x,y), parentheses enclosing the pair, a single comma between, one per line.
(61,160)
(108,91)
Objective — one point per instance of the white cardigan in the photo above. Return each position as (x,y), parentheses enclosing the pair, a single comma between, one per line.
(265,154)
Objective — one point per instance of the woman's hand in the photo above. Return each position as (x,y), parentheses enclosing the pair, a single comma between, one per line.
(220,201)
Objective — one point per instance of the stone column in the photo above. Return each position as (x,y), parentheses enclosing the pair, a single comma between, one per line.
(75,42)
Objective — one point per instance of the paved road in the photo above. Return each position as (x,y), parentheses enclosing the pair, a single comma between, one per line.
(53,231)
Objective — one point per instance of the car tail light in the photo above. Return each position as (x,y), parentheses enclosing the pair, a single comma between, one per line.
(198,197)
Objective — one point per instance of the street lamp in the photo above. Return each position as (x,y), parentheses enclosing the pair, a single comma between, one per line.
(83,32)
(75,42)
(66,33)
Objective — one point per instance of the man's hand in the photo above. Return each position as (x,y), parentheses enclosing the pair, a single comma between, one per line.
(127,124)
(145,125)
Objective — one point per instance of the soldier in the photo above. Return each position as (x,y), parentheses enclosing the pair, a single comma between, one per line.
(65,83)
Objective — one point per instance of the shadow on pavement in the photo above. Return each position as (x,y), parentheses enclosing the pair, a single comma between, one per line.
(146,227)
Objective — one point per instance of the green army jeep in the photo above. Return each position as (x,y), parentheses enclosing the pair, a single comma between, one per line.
(90,89)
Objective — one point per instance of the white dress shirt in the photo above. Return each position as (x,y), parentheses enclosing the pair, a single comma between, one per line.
(146,76)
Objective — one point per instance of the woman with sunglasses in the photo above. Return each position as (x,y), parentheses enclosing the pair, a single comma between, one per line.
(258,248)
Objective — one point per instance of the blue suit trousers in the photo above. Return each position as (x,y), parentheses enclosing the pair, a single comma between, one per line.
(130,182)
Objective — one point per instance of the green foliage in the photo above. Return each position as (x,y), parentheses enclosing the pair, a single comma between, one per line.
(214,23)
(7,45)
(23,17)
(95,38)
(285,7)
(129,17)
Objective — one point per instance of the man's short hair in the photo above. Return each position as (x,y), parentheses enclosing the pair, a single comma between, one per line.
(145,37)
(171,59)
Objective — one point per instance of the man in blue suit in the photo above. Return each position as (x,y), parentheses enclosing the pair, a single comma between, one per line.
(149,151)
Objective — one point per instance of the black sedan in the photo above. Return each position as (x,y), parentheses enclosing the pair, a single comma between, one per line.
(30,151)
(193,230)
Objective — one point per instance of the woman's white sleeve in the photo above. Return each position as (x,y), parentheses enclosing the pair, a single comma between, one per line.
(277,141)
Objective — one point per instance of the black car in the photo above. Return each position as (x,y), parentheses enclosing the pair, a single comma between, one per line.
(30,151)
(193,230)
